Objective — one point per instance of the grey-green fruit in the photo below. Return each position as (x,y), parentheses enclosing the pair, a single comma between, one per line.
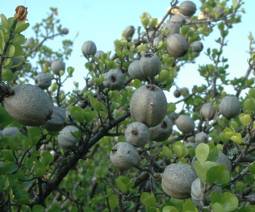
(163,130)
(196,46)
(197,191)
(43,80)
(114,79)
(66,137)
(10,131)
(89,48)
(177,179)
(224,160)
(207,111)
(150,65)
(128,33)
(124,156)
(148,105)
(185,124)
(174,23)
(29,105)
(177,45)
(230,106)
(187,8)
(58,66)
(65,31)
(201,137)
(135,70)
(137,134)
(184,91)
(57,120)
(177,93)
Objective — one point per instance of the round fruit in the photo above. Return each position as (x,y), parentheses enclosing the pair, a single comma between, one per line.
(177,45)
(114,79)
(29,105)
(201,137)
(197,191)
(148,105)
(135,71)
(184,91)
(174,23)
(150,65)
(65,31)
(207,111)
(187,8)
(196,46)
(89,48)
(177,179)
(10,131)
(57,120)
(177,93)
(128,32)
(185,124)
(66,138)
(163,130)
(43,80)
(137,134)
(124,155)
(58,66)
(224,160)
(230,106)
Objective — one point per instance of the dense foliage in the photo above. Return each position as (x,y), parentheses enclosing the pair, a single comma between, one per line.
(117,144)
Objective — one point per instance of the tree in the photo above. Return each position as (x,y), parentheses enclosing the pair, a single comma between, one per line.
(112,146)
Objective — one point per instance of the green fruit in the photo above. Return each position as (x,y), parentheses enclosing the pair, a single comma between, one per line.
(174,23)
(187,8)
(207,111)
(184,91)
(124,156)
(66,137)
(137,134)
(150,65)
(64,31)
(196,46)
(128,33)
(177,179)
(135,70)
(43,80)
(185,124)
(230,106)
(114,79)
(89,48)
(57,120)
(148,105)
(201,137)
(177,93)
(29,105)
(163,130)
(10,131)
(177,45)
(58,66)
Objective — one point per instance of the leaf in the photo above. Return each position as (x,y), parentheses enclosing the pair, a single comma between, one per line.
(124,183)
(113,201)
(189,206)
(202,152)
(166,152)
(4,21)
(11,51)
(218,175)
(21,26)
(170,209)
(202,168)
(227,200)
(148,200)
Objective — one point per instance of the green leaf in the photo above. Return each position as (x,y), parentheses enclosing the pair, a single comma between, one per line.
(38,208)
(218,175)
(148,200)
(166,152)
(113,201)
(202,168)
(170,209)
(252,167)
(227,200)
(202,152)
(216,207)
(124,183)
(4,21)
(97,105)
(249,105)
(7,75)
(11,51)
(21,26)
(189,206)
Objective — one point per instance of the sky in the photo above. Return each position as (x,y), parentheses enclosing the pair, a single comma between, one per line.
(103,22)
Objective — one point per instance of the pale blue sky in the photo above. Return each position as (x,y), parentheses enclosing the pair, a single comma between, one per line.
(103,21)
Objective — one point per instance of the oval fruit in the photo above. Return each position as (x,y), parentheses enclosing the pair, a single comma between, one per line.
(187,8)
(58,66)
(201,137)
(230,106)
(10,131)
(185,124)
(57,120)
(177,45)
(29,105)
(148,105)
(66,138)
(207,111)
(128,33)
(114,79)
(196,46)
(89,48)
(135,70)
(43,80)
(174,23)
(150,65)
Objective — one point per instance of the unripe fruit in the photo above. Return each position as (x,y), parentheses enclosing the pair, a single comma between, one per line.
(148,105)
(177,179)
(163,130)
(174,23)
(150,65)
(43,80)
(135,70)
(128,33)
(185,124)
(89,48)
(137,134)
(29,105)
(224,160)
(124,155)
(114,79)
(10,131)
(196,46)
(197,191)
(230,106)
(201,137)
(65,31)
(177,93)
(58,66)
(177,45)
(184,91)
(207,111)
(66,138)
(187,8)
(57,120)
